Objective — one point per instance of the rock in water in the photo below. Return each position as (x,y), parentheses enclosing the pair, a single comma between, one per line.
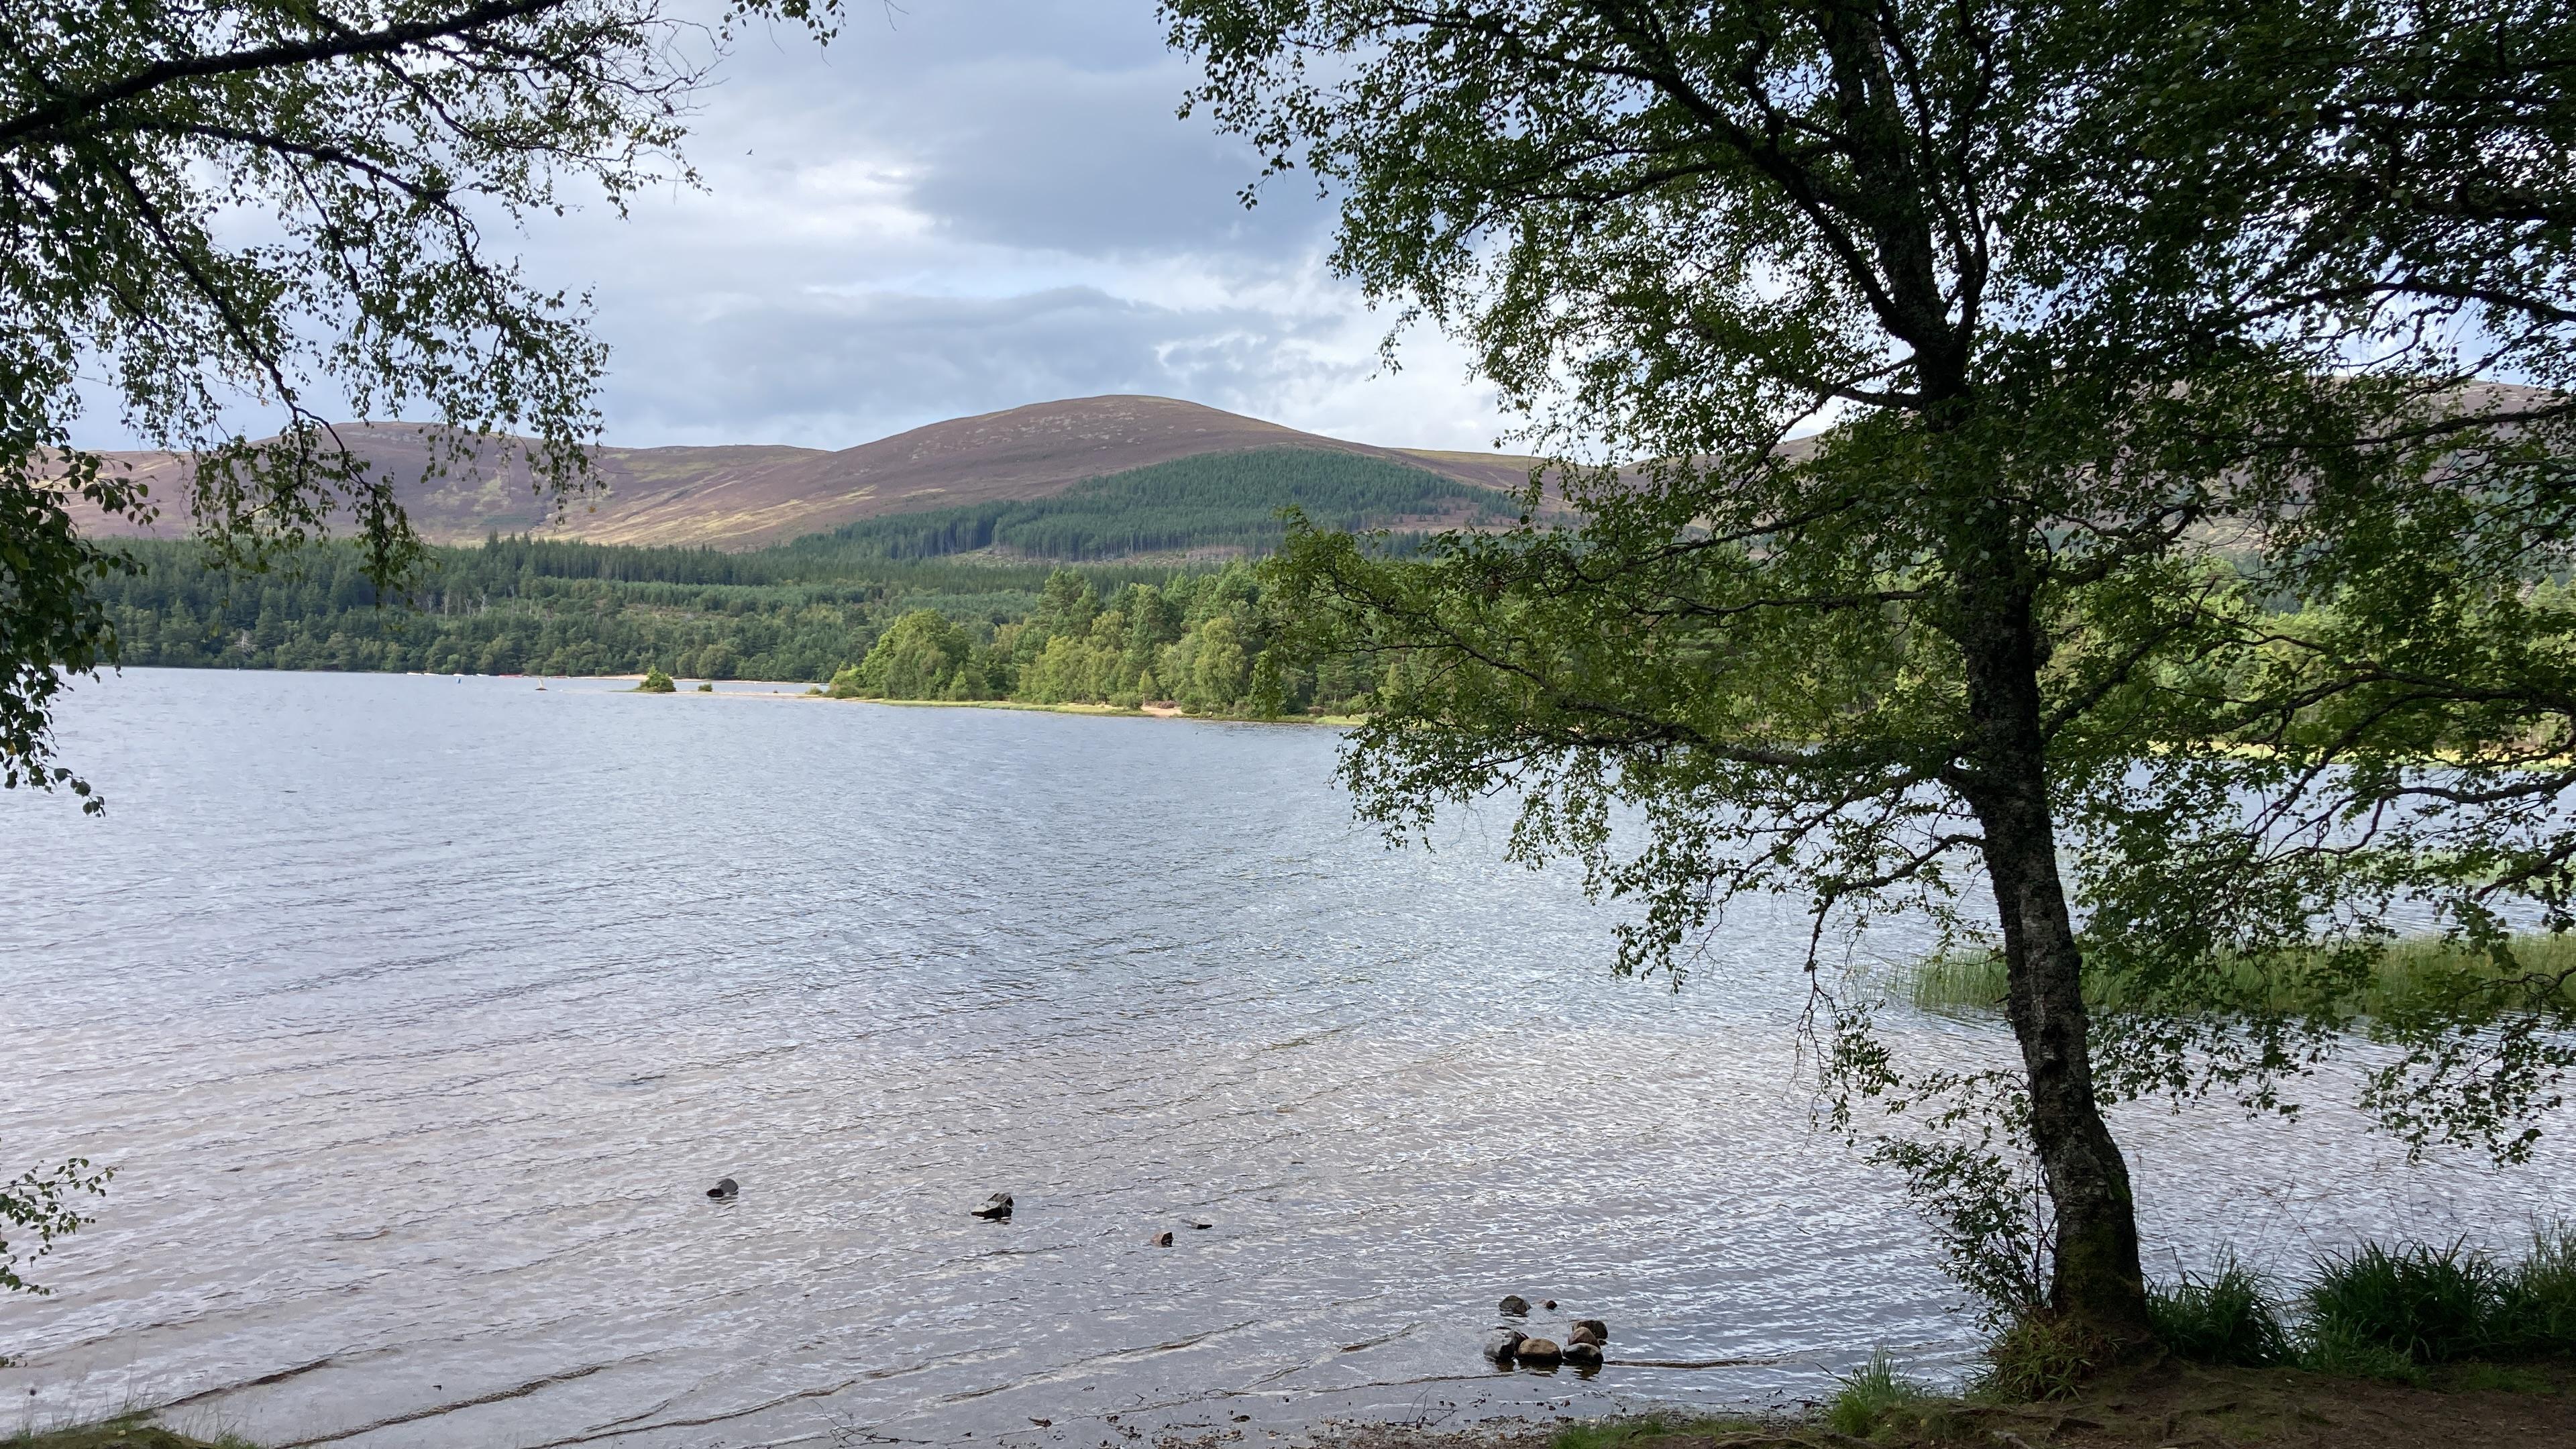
(1502,1343)
(1582,1333)
(1162,1240)
(1600,1330)
(1515,1306)
(725,1190)
(1540,1353)
(1551,1303)
(1583,1355)
(996,1208)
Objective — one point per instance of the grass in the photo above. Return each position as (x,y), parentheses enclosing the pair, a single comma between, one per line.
(2535,1312)
(1639,1428)
(2040,1360)
(2398,1314)
(1872,1395)
(125,1432)
(2413,1305)
(2225,1318)
(2406,977)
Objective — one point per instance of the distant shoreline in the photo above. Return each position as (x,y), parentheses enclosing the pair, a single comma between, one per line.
(806,690)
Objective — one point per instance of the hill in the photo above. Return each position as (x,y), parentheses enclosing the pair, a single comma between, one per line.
(748,497)
(1212,502)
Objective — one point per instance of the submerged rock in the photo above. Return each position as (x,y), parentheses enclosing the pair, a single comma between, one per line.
(1580,1354)
(996,1208)
(1502,1343)
(725,1190)
(1540,1353)
(1515,1306)
(1600,1330)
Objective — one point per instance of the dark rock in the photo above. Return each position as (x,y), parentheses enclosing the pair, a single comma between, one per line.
(1502,1343)
(1162,1240)
(1515,1306)
(1540,1353)
(996,1208)
(725,1190)
(1582,1333)
(1203,1227)
(1600,1330)
(1551,1303)
(1579,1354)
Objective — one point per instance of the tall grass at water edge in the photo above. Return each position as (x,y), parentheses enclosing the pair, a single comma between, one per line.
(2380,1312)
(2407,975)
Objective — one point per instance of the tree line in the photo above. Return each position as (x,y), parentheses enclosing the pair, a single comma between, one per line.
(513,606)
(1201,641)
(926,630)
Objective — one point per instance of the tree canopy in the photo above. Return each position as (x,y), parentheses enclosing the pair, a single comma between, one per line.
(240,213)
(2104,465)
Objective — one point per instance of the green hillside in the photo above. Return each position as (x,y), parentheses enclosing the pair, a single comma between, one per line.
(1215,500)
(805,609)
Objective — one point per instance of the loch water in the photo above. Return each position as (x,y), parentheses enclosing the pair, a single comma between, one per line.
(417,1014)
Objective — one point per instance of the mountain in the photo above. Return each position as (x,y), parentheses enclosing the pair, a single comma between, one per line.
(747,497)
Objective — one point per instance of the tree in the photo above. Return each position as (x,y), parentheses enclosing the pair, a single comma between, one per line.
(274,206)
(46,1205)
(920,656)
(2156,592)
(1218,665)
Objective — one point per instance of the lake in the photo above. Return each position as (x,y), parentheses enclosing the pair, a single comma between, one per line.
(417,1015)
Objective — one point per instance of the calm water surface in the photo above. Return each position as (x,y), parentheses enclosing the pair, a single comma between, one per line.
(418,1014)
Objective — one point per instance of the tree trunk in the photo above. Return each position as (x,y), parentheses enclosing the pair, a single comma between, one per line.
(2097,1274)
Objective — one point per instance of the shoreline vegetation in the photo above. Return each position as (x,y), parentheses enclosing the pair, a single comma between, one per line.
(2405,978)
(1148,709)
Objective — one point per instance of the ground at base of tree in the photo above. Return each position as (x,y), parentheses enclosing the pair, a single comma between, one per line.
(2472,1406)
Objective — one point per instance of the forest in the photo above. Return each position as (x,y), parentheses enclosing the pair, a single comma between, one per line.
(910,629)
(1201,641)
(1228,501)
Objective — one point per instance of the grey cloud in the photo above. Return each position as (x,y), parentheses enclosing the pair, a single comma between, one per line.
(1041,124)
(1092,164)
(938,215)
(833,371)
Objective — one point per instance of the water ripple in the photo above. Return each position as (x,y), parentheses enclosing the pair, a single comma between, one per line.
(418,1014)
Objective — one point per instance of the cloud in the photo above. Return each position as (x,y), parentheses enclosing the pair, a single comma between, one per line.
(966,205)
(828,370)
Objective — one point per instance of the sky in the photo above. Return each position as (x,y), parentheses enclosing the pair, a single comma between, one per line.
(967,205)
